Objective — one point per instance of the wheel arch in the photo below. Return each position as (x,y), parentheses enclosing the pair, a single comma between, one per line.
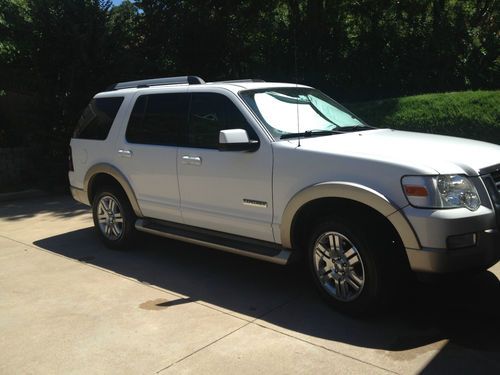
(104,172)
(356,193)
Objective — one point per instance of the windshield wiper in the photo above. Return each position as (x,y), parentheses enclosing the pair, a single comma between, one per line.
(310,133)
(354,128)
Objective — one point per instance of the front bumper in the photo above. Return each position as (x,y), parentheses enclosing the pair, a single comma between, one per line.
(433,229)
(482,256)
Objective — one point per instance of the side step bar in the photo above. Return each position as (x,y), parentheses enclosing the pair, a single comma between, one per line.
(216,240)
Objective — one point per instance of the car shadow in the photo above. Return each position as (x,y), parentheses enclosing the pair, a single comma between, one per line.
(59,206)
(463,310)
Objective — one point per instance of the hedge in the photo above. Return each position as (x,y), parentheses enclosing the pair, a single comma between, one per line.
(468,114)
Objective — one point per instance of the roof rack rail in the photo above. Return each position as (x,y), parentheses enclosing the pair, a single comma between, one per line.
(240,80)
(191,80)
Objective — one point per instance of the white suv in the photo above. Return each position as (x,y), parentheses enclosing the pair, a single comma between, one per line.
(277,171)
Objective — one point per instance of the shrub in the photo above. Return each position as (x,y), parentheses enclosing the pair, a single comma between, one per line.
(468,114)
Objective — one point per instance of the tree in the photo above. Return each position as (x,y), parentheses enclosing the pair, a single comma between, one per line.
(56,54)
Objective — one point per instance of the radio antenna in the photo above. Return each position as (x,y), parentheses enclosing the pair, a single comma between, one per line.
(296,67)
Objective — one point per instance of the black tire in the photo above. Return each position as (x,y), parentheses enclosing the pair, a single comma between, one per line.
(372,293)
(115,239)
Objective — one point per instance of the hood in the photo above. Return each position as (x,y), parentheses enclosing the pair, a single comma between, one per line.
(444,154)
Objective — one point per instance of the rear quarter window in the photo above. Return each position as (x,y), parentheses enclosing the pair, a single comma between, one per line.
(97,118)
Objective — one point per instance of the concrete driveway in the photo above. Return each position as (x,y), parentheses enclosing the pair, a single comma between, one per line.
(69,305)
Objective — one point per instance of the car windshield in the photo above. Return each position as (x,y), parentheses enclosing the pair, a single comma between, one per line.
(299,110)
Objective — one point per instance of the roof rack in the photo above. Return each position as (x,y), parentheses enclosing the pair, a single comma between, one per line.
(241,80)
(191,80)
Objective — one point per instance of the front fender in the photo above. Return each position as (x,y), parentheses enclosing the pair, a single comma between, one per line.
(352,191)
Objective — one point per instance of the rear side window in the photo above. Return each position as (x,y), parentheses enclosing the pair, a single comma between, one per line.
(210,113)
(157,119)
(97,118)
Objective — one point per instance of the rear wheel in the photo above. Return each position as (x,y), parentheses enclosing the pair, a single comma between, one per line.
(114,218)
(346,266)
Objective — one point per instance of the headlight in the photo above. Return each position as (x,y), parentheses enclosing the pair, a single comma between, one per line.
(443,191)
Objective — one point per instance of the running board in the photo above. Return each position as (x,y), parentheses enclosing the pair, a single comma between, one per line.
(251,248)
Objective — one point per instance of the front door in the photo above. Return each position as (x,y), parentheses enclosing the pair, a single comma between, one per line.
(226,191)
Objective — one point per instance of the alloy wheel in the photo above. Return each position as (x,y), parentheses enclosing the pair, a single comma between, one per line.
(338,266)
(109,217)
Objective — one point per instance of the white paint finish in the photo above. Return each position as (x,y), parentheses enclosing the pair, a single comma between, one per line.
(213,190)
(317,166)
(234,88)
(376,159)
(444,154)
(433,226)
(212,193)
(213,184)
(87,153)
(152,173)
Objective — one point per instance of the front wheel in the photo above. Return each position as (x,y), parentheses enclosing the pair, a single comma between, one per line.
(345,269)
(114,218)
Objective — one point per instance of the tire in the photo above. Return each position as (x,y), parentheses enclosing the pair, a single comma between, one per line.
(114,218)
(346,267)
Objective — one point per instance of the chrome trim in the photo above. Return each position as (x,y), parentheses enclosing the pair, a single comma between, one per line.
(191,160)
(125,153)
(254,203)
(282,258)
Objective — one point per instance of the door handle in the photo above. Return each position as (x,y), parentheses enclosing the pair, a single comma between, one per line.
(125,153)
(191,160)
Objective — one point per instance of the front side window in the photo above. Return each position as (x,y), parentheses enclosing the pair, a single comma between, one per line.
(97,118)
(296,109)
(210,113)
(157,119)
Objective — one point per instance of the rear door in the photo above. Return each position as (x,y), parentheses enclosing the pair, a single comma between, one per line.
(226,191)
(148,152)
(93,136)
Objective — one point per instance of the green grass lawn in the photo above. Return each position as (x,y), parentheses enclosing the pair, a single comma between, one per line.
(468,114)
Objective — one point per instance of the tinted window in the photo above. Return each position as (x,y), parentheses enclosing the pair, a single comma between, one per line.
(211,113)
(156,119)
(97,118)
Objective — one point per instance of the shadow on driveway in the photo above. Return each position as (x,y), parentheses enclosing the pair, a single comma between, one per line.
(60,206)
(464,310)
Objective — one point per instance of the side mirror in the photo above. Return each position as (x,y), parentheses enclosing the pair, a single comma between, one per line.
(236,140)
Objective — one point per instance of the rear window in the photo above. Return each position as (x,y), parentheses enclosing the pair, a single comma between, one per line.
(156,119)
(97,118)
